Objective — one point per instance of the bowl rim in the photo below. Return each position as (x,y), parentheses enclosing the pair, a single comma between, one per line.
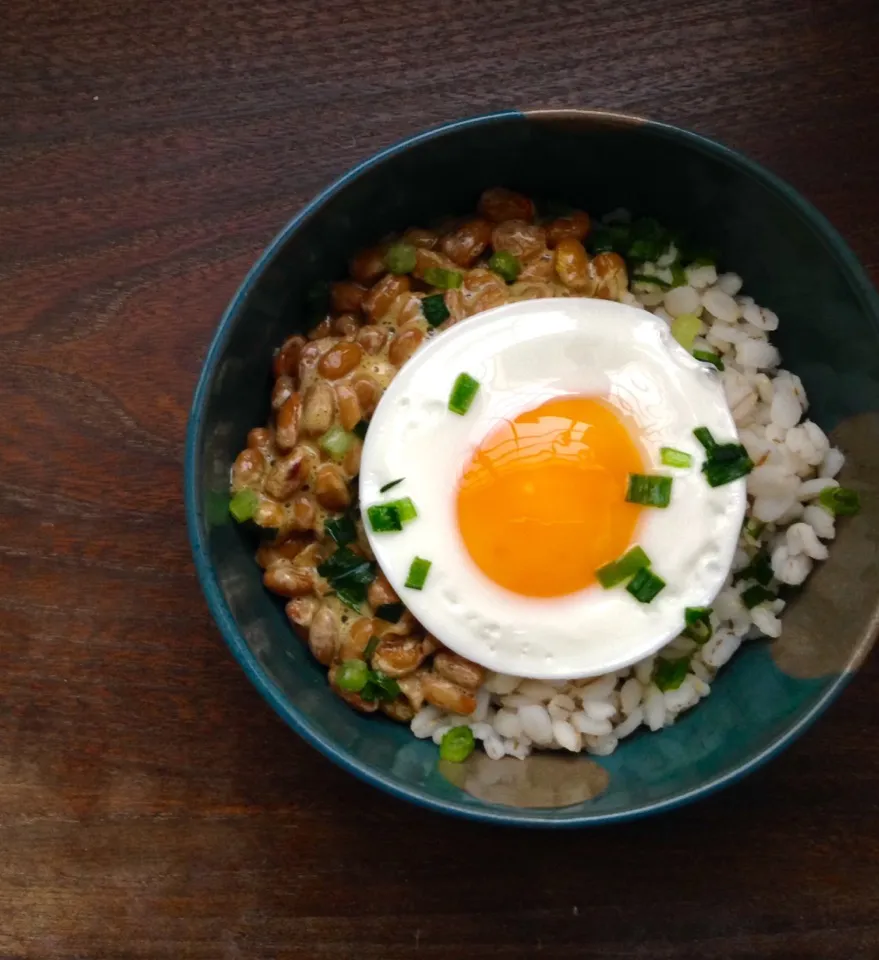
(222,615)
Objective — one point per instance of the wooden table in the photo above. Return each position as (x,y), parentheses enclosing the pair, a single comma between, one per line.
(151,805)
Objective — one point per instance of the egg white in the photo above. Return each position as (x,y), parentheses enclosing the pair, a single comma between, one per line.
(524,354)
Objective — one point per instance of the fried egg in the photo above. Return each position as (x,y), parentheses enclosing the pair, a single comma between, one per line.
(522,499)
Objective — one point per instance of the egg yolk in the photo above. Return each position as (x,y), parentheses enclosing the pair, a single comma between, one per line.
(541,504)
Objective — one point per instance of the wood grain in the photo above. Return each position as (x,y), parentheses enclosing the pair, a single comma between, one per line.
(150,804)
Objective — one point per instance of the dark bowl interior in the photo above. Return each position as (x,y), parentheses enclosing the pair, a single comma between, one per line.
(792,261)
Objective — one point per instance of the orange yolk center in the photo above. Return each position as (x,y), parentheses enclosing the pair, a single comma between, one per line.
(541,504)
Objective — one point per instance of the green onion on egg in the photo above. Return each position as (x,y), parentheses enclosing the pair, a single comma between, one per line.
(418,572)
(674,458)
(653,490)
(463,393)
(645,585)
(614,573)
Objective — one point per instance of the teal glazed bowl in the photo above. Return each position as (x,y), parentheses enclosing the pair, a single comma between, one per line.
(792,260)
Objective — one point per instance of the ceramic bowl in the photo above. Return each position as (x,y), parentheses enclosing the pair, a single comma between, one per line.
(793,262)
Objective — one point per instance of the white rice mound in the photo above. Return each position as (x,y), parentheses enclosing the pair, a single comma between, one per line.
(795,463)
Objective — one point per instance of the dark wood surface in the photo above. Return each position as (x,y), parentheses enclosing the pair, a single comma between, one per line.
(151,805)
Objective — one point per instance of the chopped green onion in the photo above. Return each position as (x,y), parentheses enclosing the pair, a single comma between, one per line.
(670,674)
(759,569)
(840,501)
(400,258)
(649,240)
(706,356)
(442,278)
(391,612)
(703,262)
(380,686)
(370,648)
(719,473)
(678,276)
(353,676)
(434,309)
(654,281)
(727,452)
(645,585)
(457,744)
(391,485)
(726,462)
(418,572)
(340,563)
(243,505)
(341,529)
(703,435)
(346,569)
(615,572)
(360,429)
(405,509)
(685,328)
(384,518)
(390,517)
(352,596)
(698,624)
(505,265)
(652,490)
(336,442)
(756,595)
(674,458)
(463,392)
(696,615)
(753,528)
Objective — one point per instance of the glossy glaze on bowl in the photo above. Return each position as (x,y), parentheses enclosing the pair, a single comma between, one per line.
(792,261)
